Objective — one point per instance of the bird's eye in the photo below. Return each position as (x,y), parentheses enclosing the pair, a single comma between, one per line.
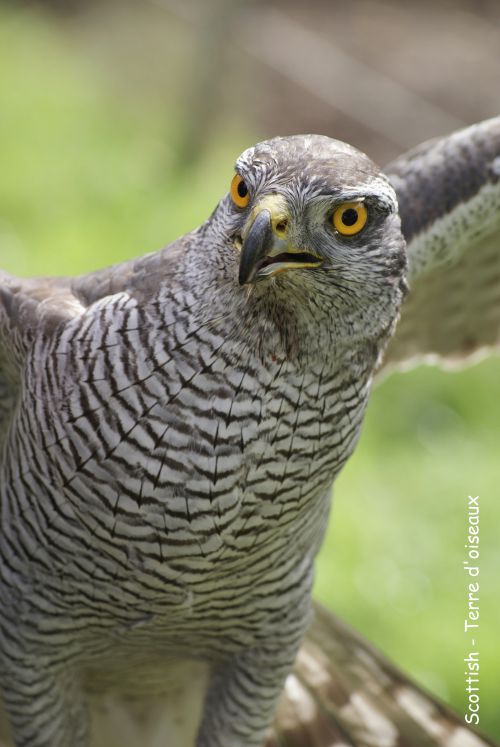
(349,218)
(239,191)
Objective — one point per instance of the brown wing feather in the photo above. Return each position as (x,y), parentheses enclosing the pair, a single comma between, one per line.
(343,692)
(449,198)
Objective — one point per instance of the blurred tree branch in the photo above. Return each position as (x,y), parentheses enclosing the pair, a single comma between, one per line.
(308,60)
(214,24)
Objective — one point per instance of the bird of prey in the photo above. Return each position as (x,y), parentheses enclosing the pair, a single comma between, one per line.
(170,429)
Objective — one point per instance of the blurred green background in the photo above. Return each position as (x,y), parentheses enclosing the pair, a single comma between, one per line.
(119,125)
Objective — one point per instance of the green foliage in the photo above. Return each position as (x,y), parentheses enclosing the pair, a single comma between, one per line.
(86,177)
(87,181)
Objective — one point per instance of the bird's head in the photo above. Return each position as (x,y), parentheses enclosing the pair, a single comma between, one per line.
(312,222)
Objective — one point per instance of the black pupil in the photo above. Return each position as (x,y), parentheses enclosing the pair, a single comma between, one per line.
(242,189)
(349,217)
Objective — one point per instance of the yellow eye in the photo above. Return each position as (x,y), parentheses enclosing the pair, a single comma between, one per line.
(349,218)
(239,191)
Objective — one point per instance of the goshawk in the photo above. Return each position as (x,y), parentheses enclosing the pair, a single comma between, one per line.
(170,428)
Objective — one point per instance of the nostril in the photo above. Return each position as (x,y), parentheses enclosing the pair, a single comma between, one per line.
(281,226)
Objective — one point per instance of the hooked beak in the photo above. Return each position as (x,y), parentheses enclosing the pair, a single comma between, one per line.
(265,250)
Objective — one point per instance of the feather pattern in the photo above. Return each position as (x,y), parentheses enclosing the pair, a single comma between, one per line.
(342,692)
(449,201)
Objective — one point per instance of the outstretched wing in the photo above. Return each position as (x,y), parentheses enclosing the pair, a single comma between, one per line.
(449,200)
(345,692)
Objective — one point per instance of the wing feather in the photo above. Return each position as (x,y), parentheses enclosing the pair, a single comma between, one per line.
(33,307)
(449,200)
(343,693)
(27,308)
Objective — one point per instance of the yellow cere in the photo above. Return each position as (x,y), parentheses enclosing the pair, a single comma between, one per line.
(239,191)
(349,218)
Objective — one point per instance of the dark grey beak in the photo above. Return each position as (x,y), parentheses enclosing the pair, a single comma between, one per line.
(256,246)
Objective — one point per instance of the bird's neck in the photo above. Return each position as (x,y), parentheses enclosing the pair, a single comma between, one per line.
(269,325)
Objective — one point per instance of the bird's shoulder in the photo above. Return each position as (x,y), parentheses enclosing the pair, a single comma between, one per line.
(34,310)
(32,306)
(139,277)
